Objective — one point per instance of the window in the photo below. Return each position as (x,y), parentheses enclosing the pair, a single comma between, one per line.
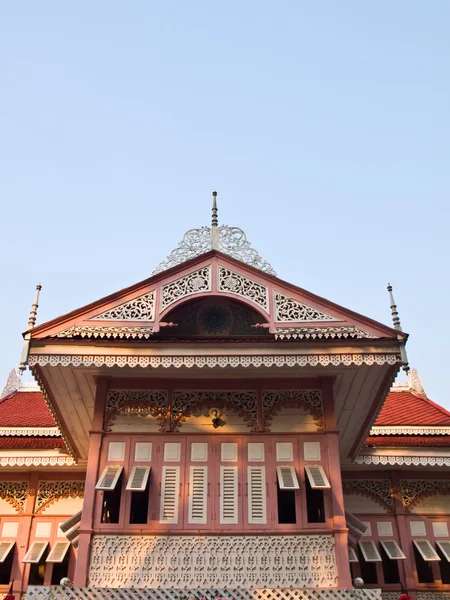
(139,487)
(36,556)
(315,505)
(59,556)
(423,553)
(443,549)
(6,560)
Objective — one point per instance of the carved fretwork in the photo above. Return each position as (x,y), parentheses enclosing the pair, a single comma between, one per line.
(379,490)
(136,402)
(15,493)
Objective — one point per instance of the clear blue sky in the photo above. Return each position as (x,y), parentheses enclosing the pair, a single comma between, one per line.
(324,126)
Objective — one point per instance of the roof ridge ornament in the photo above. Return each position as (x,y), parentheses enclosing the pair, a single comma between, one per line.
(27,335)
(229,240)
(400,336)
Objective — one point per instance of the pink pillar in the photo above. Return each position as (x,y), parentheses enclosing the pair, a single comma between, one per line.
(20,571)
(337,495)
(408,566)
(87,516)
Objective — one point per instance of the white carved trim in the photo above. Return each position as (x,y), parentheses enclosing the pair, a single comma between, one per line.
(30,431)
(235,283)
(106,332)
(409,430)
(432,596)
(15,493)
(241,360)
(193,283)
(407,461)
(36,461)
(318,333)
(141,308)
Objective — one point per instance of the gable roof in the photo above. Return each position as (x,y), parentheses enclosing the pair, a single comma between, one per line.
(410,408)
(25,409)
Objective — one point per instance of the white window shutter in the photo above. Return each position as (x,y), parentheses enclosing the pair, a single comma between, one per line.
(426,550)
(352,557)
(257,495)
(440,529)
(199,451)
(317,477)
(5,549)
(137,481)
(198,485)
(58,552)
(143,451)
(392,549)
(385,528)
(255,451)
(369,551)
(444,546)
(109,478)
(229,495)
(287,478)
(35,552)
(170,495)
(116,451)
(417,528)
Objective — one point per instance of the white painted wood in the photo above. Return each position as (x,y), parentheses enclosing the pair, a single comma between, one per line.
(35,552)
(352,556)
(143,451)
(440,529)
(109,477)
(116,451)
(385,528)
(417,527)
(43,530)
(287,478)
(317,478)
(256,495)
(58,552)
(311,450)
(369,551)
(10,529)
(138,479)
(228,451)
(284,451)
(5,549)
(199,451)
(229,495)
(368,531)
(444,546)
(172,451)
(198,486)
(255,451)
(392,549)
(426,550)
(170,491)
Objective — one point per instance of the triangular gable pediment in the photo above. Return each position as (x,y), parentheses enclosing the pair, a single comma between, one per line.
(288,312)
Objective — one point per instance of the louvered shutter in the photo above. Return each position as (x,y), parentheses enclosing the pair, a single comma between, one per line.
(35,552)
(426,550)
(58,552)
(170,495)
(5,549)
(392,549)
(369,551)
(137,481)
(256,495)
(444,546)
(109,477)
(352,556)
(73,533)
(229,495)
(198,482)
(317,477)
(287,478)
(70,522)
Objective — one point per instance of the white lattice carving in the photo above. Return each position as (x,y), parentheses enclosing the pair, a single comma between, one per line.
(136,402)
(433,595)
(37,461)
(235,283)
(306,561)
(229,240)
(389,595)
(15,493)
(192,283)
(51,491)
(141,308)
(414,490)
(318,333)
(407,461)
(274,399)
(288,309)
(106,332)
(409,430)
(73,593)
(240,360)
(29,431)
(378,489)
(184,403)
(12,383)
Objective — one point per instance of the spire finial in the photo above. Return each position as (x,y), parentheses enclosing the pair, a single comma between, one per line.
(394,312)
(214,220)
(34,307)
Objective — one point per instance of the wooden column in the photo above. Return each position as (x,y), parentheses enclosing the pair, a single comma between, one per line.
(408,566)
(337,495)
(20,571)
(87,516)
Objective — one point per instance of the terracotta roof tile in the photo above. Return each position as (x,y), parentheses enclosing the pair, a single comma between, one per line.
(25,409)
(409,408)
(31,443)
(409,440)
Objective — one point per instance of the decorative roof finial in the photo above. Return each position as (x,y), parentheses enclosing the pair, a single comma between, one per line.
(215,220)
(394,312)
(34,307)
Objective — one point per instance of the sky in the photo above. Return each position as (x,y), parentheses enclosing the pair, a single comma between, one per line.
(324,126)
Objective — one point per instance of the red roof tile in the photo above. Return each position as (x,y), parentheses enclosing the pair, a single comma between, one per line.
(31,443)
(409,440)
(25,409)
(409,408)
